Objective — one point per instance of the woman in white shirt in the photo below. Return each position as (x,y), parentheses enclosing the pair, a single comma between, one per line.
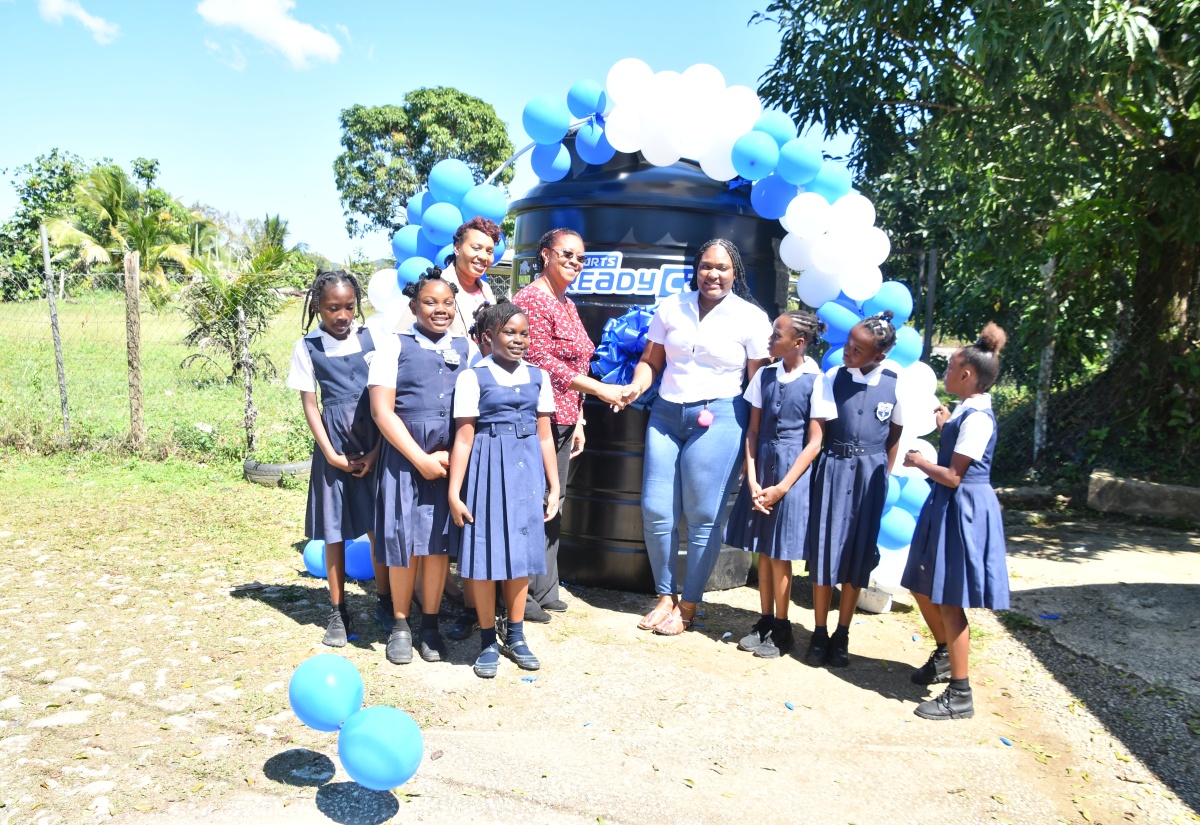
(703,343)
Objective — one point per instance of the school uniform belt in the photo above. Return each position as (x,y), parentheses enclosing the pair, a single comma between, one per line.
(521,430)
(850,450)
(342,399)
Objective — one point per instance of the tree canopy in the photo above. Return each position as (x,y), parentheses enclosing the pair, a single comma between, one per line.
(390,149)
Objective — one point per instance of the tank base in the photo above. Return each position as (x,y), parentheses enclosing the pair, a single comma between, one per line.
(621,568)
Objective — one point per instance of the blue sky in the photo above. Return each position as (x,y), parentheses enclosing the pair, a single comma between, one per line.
(239,99)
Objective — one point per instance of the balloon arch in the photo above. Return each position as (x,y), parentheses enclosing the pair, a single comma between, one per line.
(832,241)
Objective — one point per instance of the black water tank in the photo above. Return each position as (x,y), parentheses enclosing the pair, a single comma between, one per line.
(641,226)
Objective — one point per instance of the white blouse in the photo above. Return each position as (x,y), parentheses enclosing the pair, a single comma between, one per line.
(383,368)
(974,433)
(300,375)
(820,401)
(466,388)
(706,359)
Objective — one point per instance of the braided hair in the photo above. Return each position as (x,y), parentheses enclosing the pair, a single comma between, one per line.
(481,321)
(434,273)
(984,356)
(741,287)
(325,279)
(550,238)
(882,330)
(501,314)
(806,325)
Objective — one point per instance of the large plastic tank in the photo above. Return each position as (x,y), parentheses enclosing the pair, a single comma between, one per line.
(641,226)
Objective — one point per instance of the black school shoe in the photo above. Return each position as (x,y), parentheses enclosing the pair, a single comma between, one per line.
(399,646)
(555,606)
(432,648)
(337,633)
(753,640)
(778,641)
(534,613)
(818,650)
(952,704)
(935,671)
(839,650)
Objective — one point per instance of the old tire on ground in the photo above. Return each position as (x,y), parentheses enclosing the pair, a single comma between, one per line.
(272,475)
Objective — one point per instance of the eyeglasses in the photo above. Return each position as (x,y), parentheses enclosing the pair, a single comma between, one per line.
(569,255)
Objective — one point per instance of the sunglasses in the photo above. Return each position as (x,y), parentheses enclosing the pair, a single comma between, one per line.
(570,255)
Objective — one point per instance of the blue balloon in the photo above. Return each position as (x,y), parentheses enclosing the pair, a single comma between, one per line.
(442,254)
(550,162)
(913,496)
(849,303)
(501,246)
(442,220)
(838,317)
(426,248)
(896,527)
(359,560)
(832,359)
(406,242)
(892,295)
(586,98)
(832,181)
(909,345)
(449,180)
(835,337)
(417,205)
(325,691)
(380,747)
(770,197)
(776,124)
(409,271)
(893,491)
(755,155)
(314,558)
(485,201)
(799,161)
(591,144)
(546,119)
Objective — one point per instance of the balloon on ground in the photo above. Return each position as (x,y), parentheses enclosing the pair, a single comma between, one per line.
(359,564)
(314,558)
(325,691)
(380,747)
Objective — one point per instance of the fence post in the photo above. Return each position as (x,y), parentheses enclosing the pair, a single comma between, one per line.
(1046,367)
(930,297)
(248,380)
(58,356)
(133,348)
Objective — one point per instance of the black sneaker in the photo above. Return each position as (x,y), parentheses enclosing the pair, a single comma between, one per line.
(399,646)
(384,613)
(839,650)
(778,640)
(952,704)
(337,632)
(432,648)
(818,650)
(935,671)
(463,626)
(753,640)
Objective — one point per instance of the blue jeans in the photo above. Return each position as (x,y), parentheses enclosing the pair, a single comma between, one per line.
(689,471)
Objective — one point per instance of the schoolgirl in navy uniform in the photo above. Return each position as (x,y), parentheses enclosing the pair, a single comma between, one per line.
(504,449)
(790,401)
(412,387)
(957,557)
(341,484)
(850,484)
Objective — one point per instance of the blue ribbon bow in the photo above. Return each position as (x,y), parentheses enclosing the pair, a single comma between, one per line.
(621,346)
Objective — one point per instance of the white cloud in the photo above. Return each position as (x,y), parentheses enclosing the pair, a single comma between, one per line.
(344,31)
(54,11)
(271,22)
(233,57)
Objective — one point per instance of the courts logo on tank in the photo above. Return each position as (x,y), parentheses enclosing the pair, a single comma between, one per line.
(604,274)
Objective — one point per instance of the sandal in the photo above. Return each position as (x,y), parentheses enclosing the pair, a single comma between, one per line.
(653,619)
(676,623)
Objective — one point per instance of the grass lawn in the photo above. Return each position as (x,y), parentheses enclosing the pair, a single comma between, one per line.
(189,411)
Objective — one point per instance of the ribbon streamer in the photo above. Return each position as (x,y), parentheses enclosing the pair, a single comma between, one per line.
(621,346)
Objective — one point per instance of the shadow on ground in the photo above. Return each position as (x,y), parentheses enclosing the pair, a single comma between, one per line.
(345,802)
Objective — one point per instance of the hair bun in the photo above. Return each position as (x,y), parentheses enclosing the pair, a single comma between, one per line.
(992,339)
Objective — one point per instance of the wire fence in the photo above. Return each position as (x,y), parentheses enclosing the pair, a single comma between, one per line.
(194,394)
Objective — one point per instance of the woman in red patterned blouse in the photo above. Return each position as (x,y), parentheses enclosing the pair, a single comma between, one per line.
(559,344)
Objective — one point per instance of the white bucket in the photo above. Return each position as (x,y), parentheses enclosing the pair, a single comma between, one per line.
(873,600)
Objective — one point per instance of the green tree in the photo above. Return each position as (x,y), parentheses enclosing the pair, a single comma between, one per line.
(390,149)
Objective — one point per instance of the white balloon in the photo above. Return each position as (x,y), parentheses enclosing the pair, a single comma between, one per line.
(853,211)
(919,419)
(894,366)
(920,445)
(830,253)
(739,109)
(808,215)
(815,287)
(628,80)
(861,282)
(705,81)
(784,223)
(624,129)
(796,252)
(874,246)
(889,571)
(383,289)
(658,149)
(917,379)
(717,162)
(383,324)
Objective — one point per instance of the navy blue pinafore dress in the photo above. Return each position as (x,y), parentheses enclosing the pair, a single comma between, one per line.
(340,506)
(957,555)
(782,434)
(850,484)
(506,484)
(412,512)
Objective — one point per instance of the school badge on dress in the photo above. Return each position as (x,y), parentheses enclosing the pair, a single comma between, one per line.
(884,410)
(368,357)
